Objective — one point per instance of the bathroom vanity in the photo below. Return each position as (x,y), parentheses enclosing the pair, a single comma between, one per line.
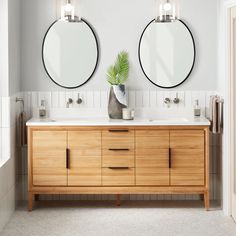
(118,157)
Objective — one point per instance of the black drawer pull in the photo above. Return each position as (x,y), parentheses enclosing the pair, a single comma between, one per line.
(118,149)
(119,168)
(118,131)
(170,160)
(67,158)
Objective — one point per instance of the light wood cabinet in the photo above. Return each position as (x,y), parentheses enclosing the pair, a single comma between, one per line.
(187,157)
(152,157)
(118,160)
(49,158)
(84,167)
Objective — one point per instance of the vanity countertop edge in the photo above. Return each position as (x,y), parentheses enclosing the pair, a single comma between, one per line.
(202,121)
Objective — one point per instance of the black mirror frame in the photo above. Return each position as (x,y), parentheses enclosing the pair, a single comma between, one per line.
(194,59)
(96,65)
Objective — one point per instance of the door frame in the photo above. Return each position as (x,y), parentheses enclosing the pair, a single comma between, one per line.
(224,34)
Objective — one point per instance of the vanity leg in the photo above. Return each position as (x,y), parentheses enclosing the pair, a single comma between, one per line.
(30,201)
(206,200)
(118,200)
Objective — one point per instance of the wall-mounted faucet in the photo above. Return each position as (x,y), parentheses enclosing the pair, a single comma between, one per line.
(79,100)
(167,101)
(176,99)
(69,102)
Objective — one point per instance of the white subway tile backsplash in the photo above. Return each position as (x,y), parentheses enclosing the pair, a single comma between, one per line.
(153,98)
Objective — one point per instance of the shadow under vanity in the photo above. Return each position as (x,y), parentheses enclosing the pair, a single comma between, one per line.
(105,156)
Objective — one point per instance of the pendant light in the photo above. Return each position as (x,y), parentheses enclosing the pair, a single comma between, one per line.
(68,11)
(167,10)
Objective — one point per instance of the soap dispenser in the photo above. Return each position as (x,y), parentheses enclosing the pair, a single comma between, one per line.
(197,109)
(42,109)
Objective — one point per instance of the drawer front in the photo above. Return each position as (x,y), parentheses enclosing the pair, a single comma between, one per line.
(117,138)
(152,176)
(118,158)
(187,139)
(118,177)
(146,139)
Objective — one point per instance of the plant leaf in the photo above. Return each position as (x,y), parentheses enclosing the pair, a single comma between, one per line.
(119,73)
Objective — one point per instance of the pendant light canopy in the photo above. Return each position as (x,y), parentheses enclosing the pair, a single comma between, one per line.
(68,11)
(167,10)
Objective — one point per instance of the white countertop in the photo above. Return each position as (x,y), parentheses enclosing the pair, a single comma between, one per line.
(202,121)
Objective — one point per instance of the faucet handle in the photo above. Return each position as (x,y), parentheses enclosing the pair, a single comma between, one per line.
(176,99)
(70,101)
(79,100)
(167,101)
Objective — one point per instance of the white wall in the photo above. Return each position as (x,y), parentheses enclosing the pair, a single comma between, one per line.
(118,25)
(9,85)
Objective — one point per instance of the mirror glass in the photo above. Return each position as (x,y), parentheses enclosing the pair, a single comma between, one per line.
(70,53)
(167,53)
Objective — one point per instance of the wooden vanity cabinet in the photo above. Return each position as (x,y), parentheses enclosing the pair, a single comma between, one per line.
(118,160)
(84,154)
(49,158)
(152,157)
(187,158)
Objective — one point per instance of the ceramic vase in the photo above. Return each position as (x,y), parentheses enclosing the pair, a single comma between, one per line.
(117,101)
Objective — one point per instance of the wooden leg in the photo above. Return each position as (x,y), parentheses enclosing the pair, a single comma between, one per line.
(30,201)
(118,200)
(206,200)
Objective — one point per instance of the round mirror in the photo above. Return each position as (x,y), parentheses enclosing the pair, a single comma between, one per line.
(167,53)
(70,53)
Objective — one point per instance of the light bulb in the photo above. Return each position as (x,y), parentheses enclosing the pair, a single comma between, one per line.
(68,7)
(167,6)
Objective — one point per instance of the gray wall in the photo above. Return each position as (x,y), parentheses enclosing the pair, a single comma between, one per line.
(14,45)
(4,48)
(119,25)
(9,47)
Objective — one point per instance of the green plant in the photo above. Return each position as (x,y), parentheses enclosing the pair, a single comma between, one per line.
(118,74)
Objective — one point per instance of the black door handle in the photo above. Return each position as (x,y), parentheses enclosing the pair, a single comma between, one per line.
(170,159)
(118,168)
(118,149)
(67,158)
(118,131)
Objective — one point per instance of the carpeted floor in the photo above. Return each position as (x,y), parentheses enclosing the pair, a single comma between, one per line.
(132,218)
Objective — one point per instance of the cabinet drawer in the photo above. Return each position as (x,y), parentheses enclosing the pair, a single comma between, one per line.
(113,138)
(187,139)
(118,158)
(152,176)
(146,139)
(118,177)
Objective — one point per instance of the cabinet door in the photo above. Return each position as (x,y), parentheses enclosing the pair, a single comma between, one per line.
(187,158)
(84,158)
(152,157)
(49,158)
